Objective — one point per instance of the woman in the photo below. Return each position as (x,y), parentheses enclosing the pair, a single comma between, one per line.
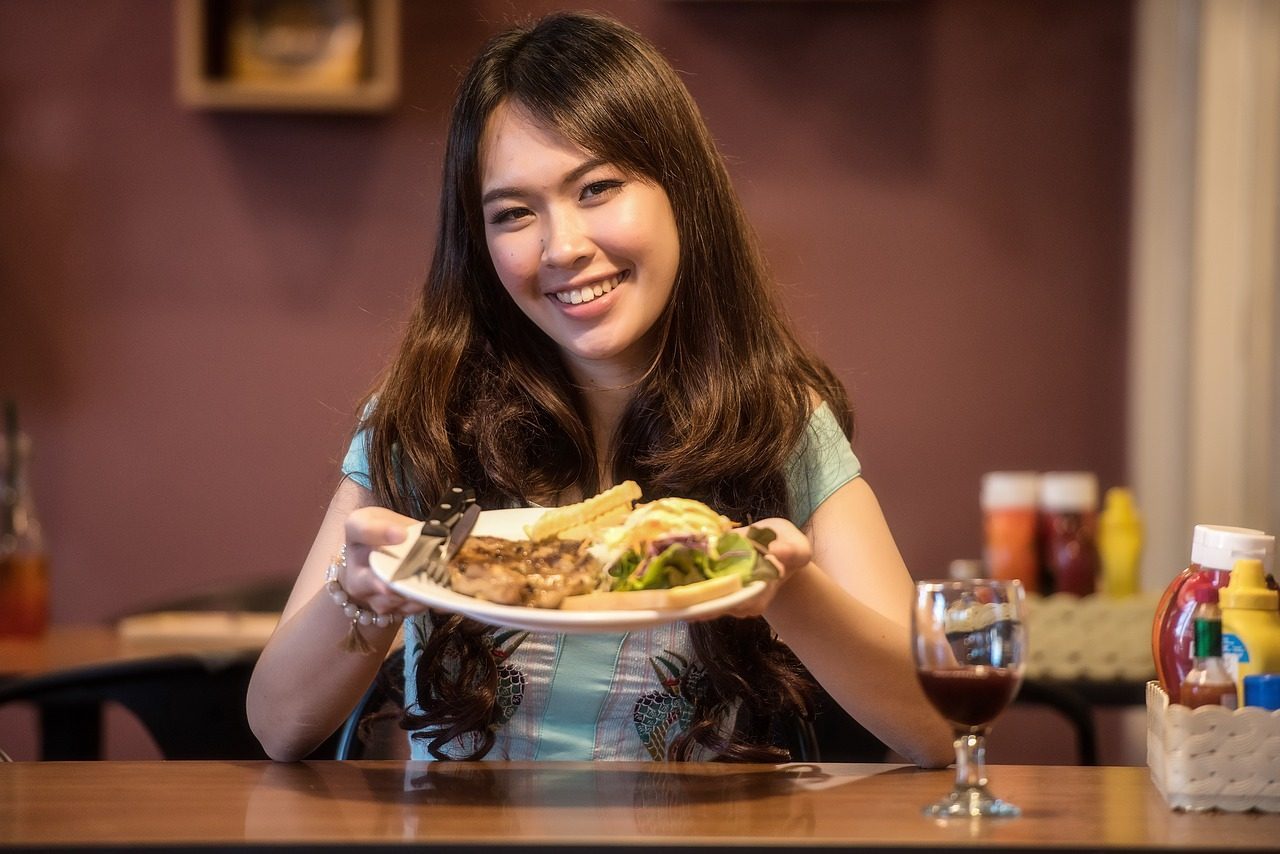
(597,310)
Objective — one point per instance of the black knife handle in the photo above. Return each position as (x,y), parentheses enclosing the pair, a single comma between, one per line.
(448,510)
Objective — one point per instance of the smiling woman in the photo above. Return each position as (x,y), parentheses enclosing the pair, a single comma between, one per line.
(597,311)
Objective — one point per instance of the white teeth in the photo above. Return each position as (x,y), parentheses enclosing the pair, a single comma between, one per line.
(588,292)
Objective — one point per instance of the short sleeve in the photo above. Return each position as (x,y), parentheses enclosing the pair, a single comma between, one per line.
(355,464)
(822,463)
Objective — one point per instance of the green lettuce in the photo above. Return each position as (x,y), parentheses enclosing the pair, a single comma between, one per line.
(678,564)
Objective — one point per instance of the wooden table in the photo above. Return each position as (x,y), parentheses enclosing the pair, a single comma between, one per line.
(66,647)
(497,806)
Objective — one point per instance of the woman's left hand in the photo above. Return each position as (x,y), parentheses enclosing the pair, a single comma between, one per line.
(789,552)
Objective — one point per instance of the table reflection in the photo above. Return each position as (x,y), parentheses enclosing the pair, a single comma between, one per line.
(539,800)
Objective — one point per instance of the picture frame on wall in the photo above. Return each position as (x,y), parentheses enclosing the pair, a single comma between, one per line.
(295,55)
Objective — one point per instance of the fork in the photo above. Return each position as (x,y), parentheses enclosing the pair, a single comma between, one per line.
(448,525)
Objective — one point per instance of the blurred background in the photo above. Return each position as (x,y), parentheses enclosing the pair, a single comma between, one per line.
(983,214)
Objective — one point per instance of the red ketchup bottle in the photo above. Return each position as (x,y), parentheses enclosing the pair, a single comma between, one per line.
(1214,549)
(1069,532)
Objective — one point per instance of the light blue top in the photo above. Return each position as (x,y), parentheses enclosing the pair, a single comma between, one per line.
(611,696)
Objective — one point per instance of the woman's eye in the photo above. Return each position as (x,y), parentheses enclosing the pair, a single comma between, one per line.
(599,189)
(507,215)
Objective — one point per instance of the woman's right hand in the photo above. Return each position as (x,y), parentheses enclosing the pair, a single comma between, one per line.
(367,529)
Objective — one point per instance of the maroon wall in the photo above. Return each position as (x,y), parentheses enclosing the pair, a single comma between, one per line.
(191,302)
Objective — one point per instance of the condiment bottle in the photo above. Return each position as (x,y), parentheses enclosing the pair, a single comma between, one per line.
(1008,502)
(1250,622)
(1068,529)
(1120,543)
(1214,549)
(1208,683)
(24,566)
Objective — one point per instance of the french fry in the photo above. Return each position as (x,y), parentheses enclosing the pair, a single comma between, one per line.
(575,521)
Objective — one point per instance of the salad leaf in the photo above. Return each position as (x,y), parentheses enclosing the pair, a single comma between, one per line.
(625,566)
(685,561)
(743,555)
(676,565)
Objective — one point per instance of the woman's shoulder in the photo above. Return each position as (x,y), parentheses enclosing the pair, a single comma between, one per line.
(821,462)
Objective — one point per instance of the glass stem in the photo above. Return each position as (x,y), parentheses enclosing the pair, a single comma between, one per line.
(971,760)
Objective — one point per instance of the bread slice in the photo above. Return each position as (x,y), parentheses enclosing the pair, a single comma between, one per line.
(668,599)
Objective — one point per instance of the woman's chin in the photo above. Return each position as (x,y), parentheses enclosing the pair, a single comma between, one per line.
(605,363)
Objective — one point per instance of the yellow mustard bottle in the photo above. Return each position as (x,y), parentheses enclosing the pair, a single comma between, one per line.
(1250,622)
(1120,543)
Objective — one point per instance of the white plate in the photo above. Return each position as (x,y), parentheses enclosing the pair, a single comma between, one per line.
(510,524)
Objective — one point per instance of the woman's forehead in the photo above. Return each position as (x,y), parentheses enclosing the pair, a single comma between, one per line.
(515,140)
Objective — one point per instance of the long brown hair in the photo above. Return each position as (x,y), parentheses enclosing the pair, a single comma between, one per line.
(478,395)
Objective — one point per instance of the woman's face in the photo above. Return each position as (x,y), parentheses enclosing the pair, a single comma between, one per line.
(588,252)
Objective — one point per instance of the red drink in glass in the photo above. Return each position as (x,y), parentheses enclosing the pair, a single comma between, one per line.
(969,697)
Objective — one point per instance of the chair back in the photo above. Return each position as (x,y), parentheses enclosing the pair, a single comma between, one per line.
(371,731)
(192,706)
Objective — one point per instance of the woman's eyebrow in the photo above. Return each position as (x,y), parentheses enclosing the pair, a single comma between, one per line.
(570,177)
(582,169)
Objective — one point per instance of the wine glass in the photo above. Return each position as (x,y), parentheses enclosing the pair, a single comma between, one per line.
(969,639)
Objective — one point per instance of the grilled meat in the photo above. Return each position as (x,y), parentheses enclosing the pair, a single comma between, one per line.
(519,572)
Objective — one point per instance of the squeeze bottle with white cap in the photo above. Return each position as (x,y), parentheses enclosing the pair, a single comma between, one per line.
(1008,501)
(1250,622)
(1214,550)
(1068,531)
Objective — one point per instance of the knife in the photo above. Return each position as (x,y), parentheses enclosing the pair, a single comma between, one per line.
(447,527)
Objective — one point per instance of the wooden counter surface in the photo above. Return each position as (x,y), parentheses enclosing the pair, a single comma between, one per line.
(68,647)
(496,806)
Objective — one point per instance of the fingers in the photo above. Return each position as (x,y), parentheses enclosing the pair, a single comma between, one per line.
(370,527)
(789,552)
(367,529)
(790,548)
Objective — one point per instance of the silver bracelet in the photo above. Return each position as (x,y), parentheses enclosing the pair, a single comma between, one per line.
(360,615)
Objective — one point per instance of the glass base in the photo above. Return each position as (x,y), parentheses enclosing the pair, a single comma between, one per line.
(974,802)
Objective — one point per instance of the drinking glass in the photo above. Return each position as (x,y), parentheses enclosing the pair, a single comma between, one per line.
(969,639)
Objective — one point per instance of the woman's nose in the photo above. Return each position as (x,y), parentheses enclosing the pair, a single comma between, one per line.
(565,242)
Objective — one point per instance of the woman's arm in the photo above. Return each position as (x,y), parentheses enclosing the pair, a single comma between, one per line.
(305,684)
(846,615)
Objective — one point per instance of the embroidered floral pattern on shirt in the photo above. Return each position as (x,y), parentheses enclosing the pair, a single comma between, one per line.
(656,713)
(511,682)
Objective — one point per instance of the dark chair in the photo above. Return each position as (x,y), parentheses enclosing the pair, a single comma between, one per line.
(370,730)
(1070,705)
(192,706)
(840,738)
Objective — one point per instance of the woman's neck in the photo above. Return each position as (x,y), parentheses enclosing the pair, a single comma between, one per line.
(606,391)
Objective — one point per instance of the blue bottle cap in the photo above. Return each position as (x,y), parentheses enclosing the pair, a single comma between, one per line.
(1262,689)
